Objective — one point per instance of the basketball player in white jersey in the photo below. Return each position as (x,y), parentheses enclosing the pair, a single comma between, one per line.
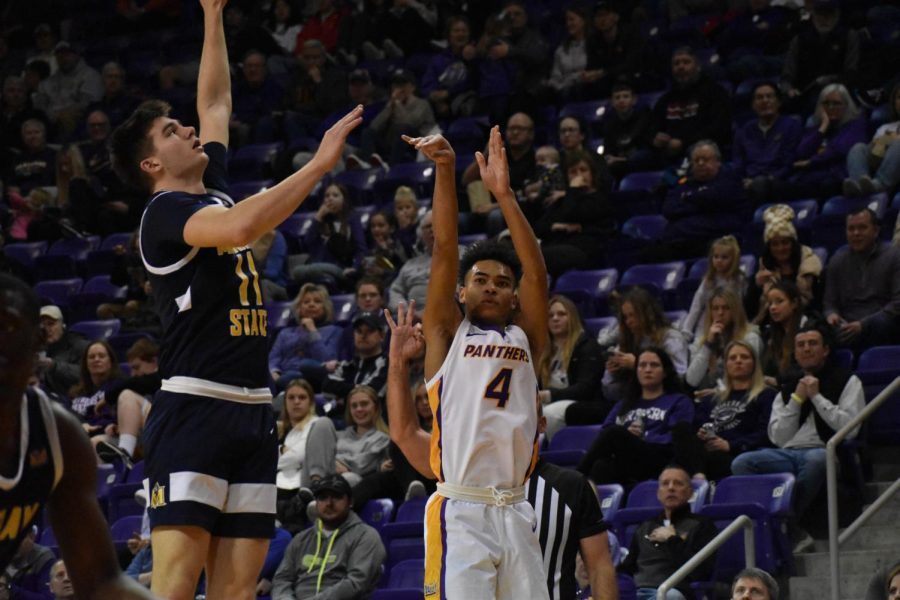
(479,368)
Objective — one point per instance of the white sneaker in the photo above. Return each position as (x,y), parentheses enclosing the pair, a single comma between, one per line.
(804,544)
(416,489)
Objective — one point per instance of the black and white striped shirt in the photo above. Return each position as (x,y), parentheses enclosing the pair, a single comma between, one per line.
(567,510)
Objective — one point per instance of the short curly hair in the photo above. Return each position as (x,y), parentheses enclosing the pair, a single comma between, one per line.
(490,250)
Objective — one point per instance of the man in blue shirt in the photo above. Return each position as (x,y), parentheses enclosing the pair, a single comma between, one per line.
(210,440)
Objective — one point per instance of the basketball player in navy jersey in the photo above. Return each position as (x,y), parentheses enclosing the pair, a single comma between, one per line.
(46,460)
(211,446)
(480,537)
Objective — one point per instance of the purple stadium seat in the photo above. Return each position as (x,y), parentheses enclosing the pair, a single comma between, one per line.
(590,112)
(829,231)
(767,500)
(588,289)
(120,499)
(101,285)
(643,181)
(116,239)
(407,574)
(840,205)
(243,189)
(471,238)
(58,291)
(344,306)
(377,512)
(76,248)
(121,342)
(361,183)
(400,549)
(645,227)
(804,212)
(597,324)
(57,266)
(843,357)
(698,269)
(664,276)
(122,529)
(254,161)
(877,368)
(362,214)
(570,444)
(408,527)
(417,175)
(297,224)
(97,330)
(25,253)
(468,134)
(281,315)
(610,496)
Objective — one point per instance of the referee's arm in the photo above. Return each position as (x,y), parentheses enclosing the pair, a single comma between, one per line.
(595,554)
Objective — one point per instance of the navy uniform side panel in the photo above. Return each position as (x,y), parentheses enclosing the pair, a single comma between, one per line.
(21,499)
(209,299)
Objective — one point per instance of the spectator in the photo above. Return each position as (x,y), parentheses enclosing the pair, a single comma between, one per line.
(15,109)
(725,322)
(875,167)
(362,448)
(636,439)
(660,546)
(525,52)
(412,279)
(367,367)
(317,89)
(708,204)
(615,52)
(141,566)
(60,585)
(117,103)
(696,108)
(823,52)
(306,453)
(29,220)
(885,583)
(44,39)
(323,25)
(92,207)
(626,131)
(29,570)
(408,27)
(785,318)
(754,584)
(299,352)
(733,417)
(130,399)
(34,74)
(820,167)
(808,410)
(406,211)
(573,229)
(641,324)
(35,165)
(370,298)
(256,95)
(723,271)
(284,25)
(862,286)
(335,241)
(570,371)
(549,184)
(58,367)
(387,253)
(764,148)
(99,372)
(66,94)
(243,34)
(449,80)
(404,114)
(754,42)
(569,75)
(785,258)
(341,556)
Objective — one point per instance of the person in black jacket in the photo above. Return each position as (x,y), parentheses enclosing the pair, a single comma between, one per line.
(570,372)
(572,228)
(661,545)
(627,132)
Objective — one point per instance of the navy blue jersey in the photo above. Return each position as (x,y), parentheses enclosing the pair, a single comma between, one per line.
(23,493)
(209,299)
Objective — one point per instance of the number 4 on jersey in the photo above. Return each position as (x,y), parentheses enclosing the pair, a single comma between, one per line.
(498,388)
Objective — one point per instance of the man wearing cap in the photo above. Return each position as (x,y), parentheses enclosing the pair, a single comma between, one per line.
(368,367)
(404,113)
(59,366)
(65,94)
(339,557)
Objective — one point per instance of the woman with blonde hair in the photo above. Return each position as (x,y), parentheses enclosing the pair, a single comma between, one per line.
(300,352)
(725,322)
(362,448)
(723,270)
(570,371)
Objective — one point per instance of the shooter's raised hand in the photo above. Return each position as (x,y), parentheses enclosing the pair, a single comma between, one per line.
(434,147)
(494,169)
(407,341)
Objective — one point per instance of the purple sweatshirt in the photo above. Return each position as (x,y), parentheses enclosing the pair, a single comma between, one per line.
(659,416)
(828,153)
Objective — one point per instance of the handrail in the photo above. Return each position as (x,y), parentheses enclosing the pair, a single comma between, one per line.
(834,541)
(742,522)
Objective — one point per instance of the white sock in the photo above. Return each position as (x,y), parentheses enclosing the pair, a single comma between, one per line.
(128,443)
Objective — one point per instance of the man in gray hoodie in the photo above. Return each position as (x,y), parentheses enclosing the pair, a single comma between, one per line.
(339,558)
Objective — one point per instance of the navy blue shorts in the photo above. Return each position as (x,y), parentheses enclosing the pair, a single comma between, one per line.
(211,463)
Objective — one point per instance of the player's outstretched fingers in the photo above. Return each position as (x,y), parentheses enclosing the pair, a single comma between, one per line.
(412,141)
(410,312)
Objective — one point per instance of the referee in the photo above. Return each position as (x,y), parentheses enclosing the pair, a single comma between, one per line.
(568,521)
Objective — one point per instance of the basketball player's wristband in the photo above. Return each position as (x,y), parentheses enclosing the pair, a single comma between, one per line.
(796,398)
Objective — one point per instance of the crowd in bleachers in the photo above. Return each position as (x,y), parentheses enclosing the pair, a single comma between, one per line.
(708,180)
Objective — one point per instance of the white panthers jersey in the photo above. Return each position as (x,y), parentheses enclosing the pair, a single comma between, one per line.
(484,400)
